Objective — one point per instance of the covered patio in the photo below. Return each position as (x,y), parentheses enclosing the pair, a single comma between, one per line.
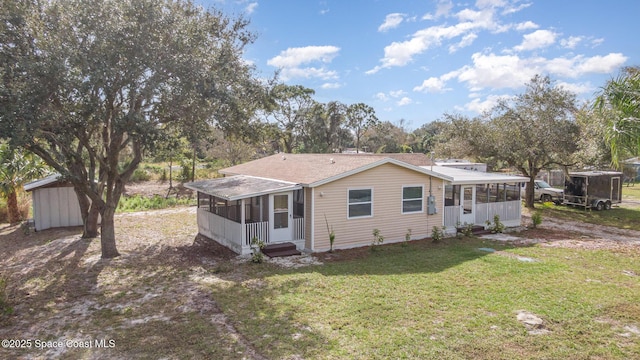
(475,197)
(234,210)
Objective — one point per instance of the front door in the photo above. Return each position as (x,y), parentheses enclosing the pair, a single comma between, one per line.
(467,204)
(615,189)
(280,217)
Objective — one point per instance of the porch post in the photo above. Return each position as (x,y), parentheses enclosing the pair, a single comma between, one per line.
(243,228)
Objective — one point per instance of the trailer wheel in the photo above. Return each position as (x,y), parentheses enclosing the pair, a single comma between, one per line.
(600,206)
(607,205)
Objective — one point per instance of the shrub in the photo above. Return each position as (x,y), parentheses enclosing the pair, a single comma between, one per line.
(497,227)
(407,238)
(437,234)
(536,219)
(185,172)
(257,245)
(378,239)
(332,234)
(142,203)
(140,175)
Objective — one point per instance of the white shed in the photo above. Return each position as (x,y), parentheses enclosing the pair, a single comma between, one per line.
(55,203)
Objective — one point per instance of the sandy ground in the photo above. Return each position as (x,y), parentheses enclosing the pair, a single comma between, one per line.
(60,289)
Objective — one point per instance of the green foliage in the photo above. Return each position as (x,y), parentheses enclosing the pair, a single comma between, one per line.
(142,203)
(407,238)
(257,245)
(378,239)
(437,234)
(497,227)
(140,175)
(332,234)
(536,219)
(467,229)
(185,171)
(619,102)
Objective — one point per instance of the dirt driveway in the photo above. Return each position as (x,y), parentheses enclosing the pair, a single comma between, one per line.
(152,301)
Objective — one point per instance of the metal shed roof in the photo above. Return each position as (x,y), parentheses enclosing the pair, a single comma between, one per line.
(241,187)
(468,177)
(51,179)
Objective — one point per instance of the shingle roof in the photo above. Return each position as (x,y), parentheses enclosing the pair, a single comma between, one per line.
(314,168)
(240,187)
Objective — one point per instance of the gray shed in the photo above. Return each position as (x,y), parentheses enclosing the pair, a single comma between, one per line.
(55,203)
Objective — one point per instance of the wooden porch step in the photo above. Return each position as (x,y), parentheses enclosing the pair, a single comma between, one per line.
(280,249)
(476,230)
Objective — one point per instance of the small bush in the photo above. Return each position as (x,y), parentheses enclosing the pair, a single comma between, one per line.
(185,172)
(548,205)
(497,227)
(378,239)
(536,219)
(140,175)
(437,234)
(407,238)
(257,245)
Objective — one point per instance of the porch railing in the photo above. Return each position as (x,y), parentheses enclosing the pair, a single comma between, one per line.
(298,228)
(451,215)
(507,210)
(259,230)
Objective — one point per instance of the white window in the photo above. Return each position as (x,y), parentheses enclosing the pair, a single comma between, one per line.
(360,203)
(412,199)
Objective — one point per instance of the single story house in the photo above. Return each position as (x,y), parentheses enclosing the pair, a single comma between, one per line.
(54,202)
(300,198)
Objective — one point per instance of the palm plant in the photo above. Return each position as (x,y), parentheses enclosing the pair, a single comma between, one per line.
(17,167)
(620,99)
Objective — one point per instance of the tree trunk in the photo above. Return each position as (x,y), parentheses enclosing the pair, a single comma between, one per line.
(91,224)
(12,207)
(89,216)
(529,195)
(108,234)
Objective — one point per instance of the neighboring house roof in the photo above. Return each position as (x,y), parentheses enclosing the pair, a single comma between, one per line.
(469,177)
(632,161)
(240,187)
(317,169)
(51,179)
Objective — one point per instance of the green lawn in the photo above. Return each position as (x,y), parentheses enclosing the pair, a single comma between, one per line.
(631,192)
(445,301)
(625,216)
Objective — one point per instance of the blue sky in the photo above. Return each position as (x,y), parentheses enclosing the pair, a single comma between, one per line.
(416,60)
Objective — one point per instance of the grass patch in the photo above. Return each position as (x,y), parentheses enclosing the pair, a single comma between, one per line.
(445,300)
(623,217)
(142,203)
(631,192)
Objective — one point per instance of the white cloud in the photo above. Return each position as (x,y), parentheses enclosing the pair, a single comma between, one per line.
(293,57)
(249,9)
(578,88)
(536,40)
(470,21)
(601,64)
(527,25)
(404,101)
(479,106)
(289,61)
(466,41)
(431,85)
(391,21)
(396,93)
(331,85)
(382,96)
(571,42)
(490,71)
(308,72)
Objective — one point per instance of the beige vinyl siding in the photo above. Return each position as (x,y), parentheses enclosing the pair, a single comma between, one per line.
(386,181)
(308,204)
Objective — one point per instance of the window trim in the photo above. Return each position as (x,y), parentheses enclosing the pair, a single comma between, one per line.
(402,200)
(359,203)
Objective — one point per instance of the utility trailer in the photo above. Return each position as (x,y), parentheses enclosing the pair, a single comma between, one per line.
(593,189)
